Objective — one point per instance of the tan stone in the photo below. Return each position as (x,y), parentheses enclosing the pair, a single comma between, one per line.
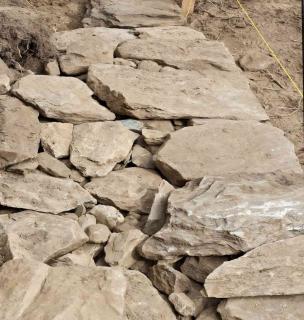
(142,157)
(182,304)
(254,60)
(154,137)
(52,166)
(210,313)
(149,65)
(98,233)
(24,167)
(52,68)
(86,220)
(164,126)
(4,84)
(5,253)
(132,221)
(107,215)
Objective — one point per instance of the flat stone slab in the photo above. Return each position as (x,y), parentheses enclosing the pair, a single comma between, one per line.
(97,147)
(229,215)
(133,13)
(19,139)
(273,269)
(65,99)
(40,192)
(144,95)
(41,236)
(225,147)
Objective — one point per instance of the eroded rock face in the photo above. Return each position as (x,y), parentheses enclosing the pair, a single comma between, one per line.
(62,98)
(53,166)
(280,265)
(97,147)
(19,139)
(5,253)
(40,192)
(228,215)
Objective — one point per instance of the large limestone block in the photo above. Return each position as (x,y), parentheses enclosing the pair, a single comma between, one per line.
(272,269)
(133,13)
(97,147)
(262,308)
(144,95)
(40,192)
(224,147)
(130,189)
(229,215)
(41,236)
(62,98)
(19,139)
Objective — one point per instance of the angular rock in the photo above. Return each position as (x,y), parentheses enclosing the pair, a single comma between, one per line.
(144,95)
(142,157)
(87,220)
(229,215)
(154,137)
(164,126)
(41,236)
(280,265)
(240,146)
(182,304)
(19,139)
(56,138)
(52,68)
(24,167)
(40,192)
(132,124)
(133,13)
(4,84)
(132,221)
(62,98)
(149,65)
(97,147)
(210,313)
(255,61)
(52,166)
(130,189)
(107,215)
(98,233)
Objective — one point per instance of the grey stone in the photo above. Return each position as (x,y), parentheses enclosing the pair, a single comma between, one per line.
(132,124)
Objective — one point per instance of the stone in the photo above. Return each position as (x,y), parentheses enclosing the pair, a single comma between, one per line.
(262,308)
(24,167)
(143,94)
(70,215)
(229,215)
(132,124)
(149,65)
(98,233)
(5,253)
(4,69)
(4,84)
(210,313)
(154,137)
(52,68)
(65,99)
(56,138)
(97,147)
(142,157)
(133,13)
(33,290)
(52,166)
(107,215)
(269,151)
(132,221)
(121,248)
(41,236)
(19,139)
(87,220)
(182,304)
(278,264)
(130,189)
(164,126)
(255,61)
(40,192)
(124,62)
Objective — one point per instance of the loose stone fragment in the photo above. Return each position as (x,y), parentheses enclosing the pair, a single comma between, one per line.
(52,68)
(24,167)
(210,313)
(98,233)
(154,137)
(255,61)
(182,304)
(132,221)
(86,220)
(149,66)
(142,158)
(5,253)
(52,166)
(164,126)
(4,84)
(107,215)
(132,124)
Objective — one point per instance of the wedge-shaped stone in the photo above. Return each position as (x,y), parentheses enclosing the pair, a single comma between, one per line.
(40,192)
(19,139)
(228,215)
(97,147)
(53,166)
(130,189)
(273,269)
(224,147)
(133,13)
(144,95)
(62,98)
(262,308)
(41,236)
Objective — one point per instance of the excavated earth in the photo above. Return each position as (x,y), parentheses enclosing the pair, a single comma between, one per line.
(140,177)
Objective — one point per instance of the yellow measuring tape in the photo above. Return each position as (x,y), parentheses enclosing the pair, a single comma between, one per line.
(269,48)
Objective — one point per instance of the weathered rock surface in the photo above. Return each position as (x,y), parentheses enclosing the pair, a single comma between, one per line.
(97,147)
(255,61)
(41,236)
(182,304)
(98,233)
(210,313)
(107,215)
(225,147)
(153,137)
(56,138)
(144,95)
(52,68)
(142,157)
(130,189)
(24,167)
(40,192)
(5,253)
(280,265)
(63,98)
(262,308)
(133,220)
(228,215)
(133,13)
(87,220)
(19,139)
(4,84)
(52,166)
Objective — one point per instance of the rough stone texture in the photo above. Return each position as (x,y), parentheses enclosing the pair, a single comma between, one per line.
(255,61)
(41,236)
(130,189)
(228,215)
(24,167)
(225,147)
(52,166)
(107,215)
(280,265)
(62,98)
(153,137)
(262,308)
(52,68)
(165,126)
(87,220)
(19,139)
(5,253)
(121,248)
(182,304)
(132,124)
(98,233)
(144,95)
(40,192)
(210,313)
(133,13)
(97,147)
(56,138)
(132,221)
(4,84)
(142,157)
(149,65)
